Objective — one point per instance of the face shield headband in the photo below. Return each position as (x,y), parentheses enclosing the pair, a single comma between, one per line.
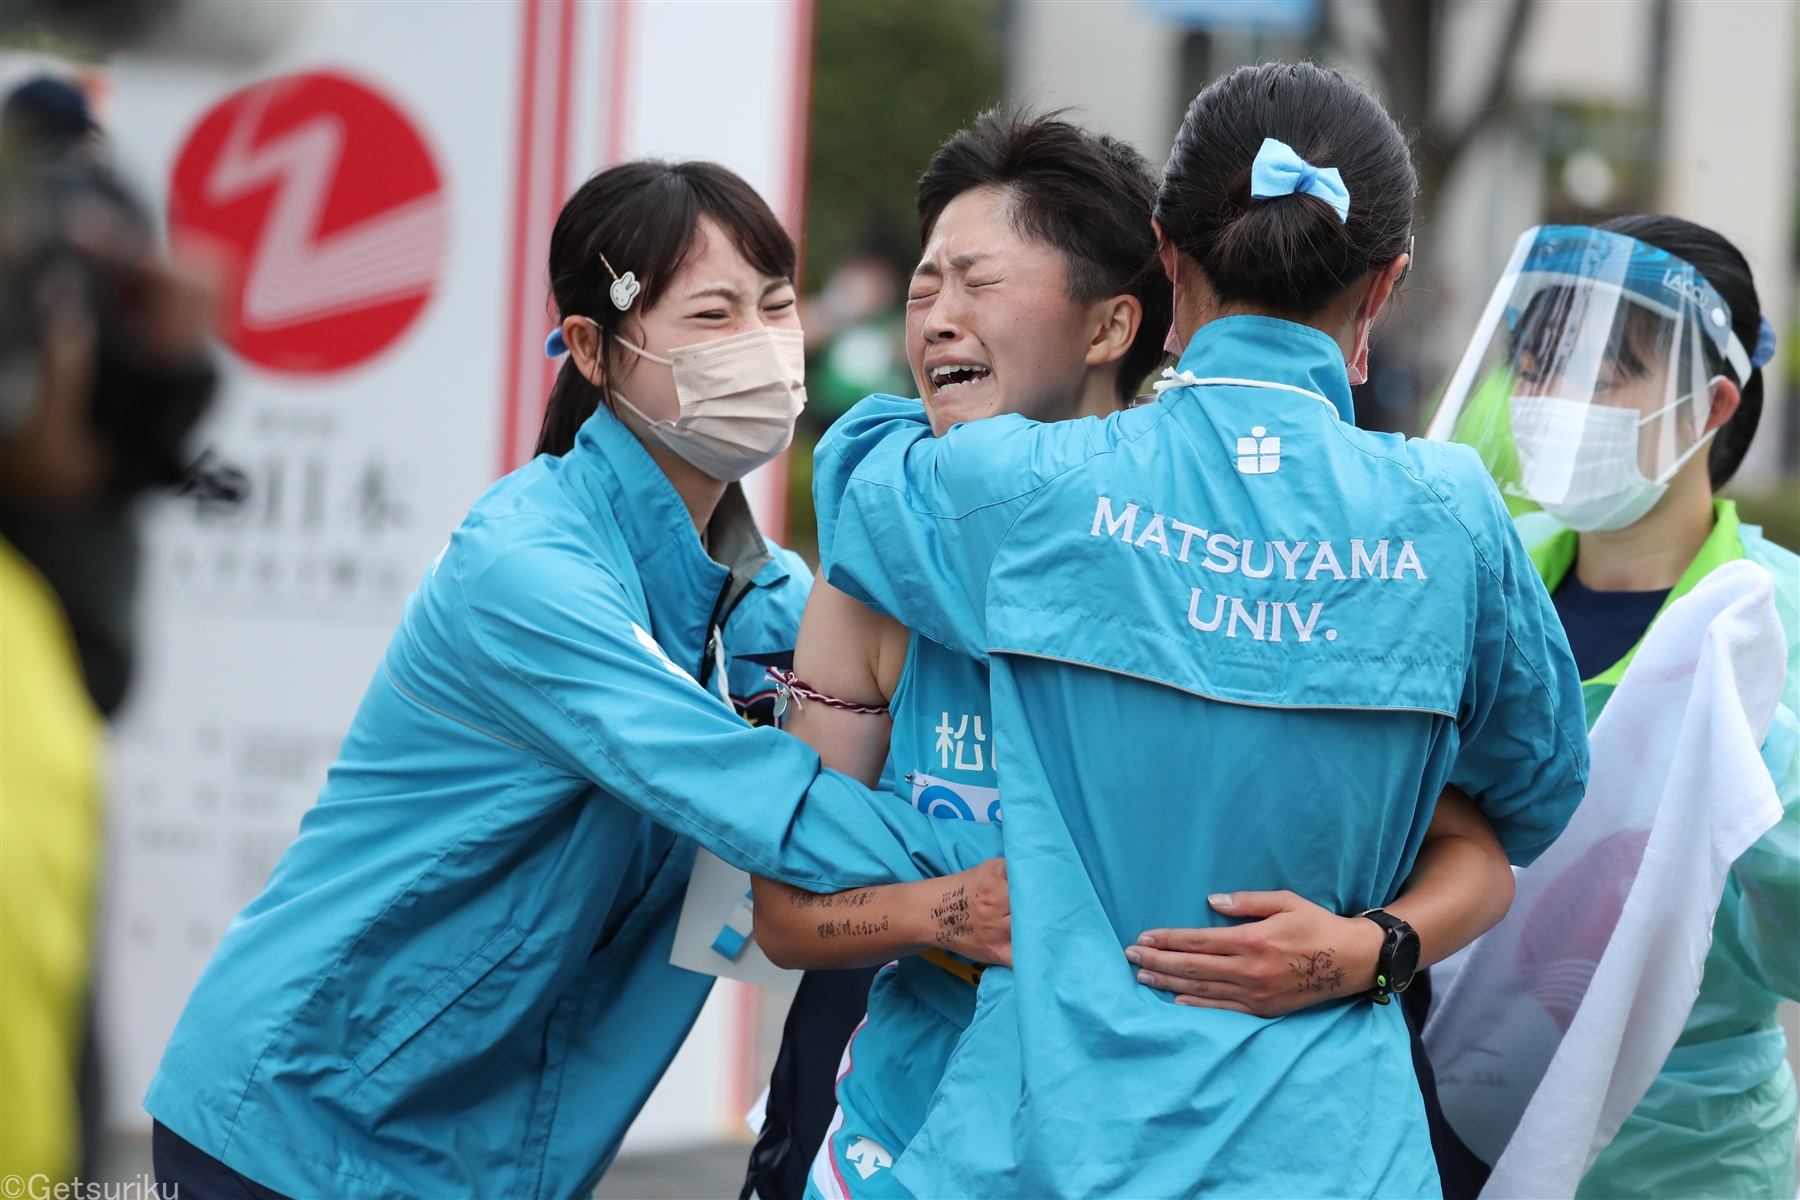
(1589,380)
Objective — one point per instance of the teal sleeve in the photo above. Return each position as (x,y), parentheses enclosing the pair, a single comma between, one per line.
(1768,920)
(909,524)
(767,620)
(761,631)
(570,676)
(1524,753)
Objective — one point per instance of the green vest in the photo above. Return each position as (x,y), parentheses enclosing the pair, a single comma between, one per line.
(1556,554)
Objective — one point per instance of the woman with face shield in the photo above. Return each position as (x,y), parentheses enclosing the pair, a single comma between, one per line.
(1613,386)
(457,980)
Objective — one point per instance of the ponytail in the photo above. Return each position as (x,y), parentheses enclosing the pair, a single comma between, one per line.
(1290,254)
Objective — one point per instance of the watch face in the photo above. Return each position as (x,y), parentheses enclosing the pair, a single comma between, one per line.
(1406,959)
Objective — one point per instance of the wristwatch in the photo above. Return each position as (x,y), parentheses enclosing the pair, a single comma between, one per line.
(1399,960)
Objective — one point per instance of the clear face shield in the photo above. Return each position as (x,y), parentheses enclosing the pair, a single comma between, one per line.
(1589,381)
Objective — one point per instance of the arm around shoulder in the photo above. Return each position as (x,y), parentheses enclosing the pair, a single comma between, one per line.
(909,524)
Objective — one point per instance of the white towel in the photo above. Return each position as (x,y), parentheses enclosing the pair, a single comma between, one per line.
(1554,1023)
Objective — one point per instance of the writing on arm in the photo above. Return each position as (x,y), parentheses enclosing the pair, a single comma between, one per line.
(968,912)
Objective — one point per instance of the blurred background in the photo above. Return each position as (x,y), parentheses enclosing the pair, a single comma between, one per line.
(1522,111)
(371,392)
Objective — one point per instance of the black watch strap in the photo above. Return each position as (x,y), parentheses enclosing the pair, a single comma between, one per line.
(1399,960)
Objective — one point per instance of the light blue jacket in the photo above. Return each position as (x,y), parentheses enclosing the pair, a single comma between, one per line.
(457,981)
(1235,643)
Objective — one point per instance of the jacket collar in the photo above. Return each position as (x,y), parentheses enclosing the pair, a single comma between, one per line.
(614,482)
(1270,350)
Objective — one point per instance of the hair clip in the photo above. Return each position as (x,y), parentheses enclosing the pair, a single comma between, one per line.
(624,287)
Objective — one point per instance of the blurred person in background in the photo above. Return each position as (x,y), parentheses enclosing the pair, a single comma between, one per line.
(1040,293)
(855,329)
(104,369)
(457,980)
(1615,401)
(1157,748)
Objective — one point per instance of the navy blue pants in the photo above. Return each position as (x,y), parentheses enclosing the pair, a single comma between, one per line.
(1462,1174)
(197,1175)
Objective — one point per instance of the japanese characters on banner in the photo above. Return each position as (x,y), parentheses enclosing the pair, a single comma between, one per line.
(381,191)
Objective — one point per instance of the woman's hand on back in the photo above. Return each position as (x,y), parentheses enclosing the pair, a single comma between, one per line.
(1299,953)
(1296,955)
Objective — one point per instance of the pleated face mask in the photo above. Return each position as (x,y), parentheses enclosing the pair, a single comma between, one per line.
(740,397)
(1580,461)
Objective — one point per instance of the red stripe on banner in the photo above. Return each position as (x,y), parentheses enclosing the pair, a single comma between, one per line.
(749,1079)
(515,309)
(799,147)
(618,97)
(772,511)
(553,199)
(546,57)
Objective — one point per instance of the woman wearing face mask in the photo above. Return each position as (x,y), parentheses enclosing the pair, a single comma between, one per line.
(1235,644)
(1040,293)
(457,981)
(1614,386)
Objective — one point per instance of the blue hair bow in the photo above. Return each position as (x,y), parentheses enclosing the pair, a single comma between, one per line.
(554,346)
(1765,344)
(1278,171)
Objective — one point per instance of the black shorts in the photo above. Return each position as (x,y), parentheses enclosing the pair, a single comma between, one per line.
(803,1087)
(185,1170)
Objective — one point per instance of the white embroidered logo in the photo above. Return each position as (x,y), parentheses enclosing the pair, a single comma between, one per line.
(1259,455)
(867,1157)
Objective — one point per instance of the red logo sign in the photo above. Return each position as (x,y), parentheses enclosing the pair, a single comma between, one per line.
(330,215)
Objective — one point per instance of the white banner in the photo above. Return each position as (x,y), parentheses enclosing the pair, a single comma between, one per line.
(1556,1021)
(385,185)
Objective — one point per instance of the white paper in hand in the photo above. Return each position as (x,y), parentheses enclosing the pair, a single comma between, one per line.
(713,919)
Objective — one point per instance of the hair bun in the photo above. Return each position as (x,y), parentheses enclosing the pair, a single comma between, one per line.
(1289,253)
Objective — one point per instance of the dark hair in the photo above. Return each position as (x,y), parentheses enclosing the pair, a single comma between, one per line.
(1724,267)
(645,218)
(1087,195)
(1289,254)
(1631,344)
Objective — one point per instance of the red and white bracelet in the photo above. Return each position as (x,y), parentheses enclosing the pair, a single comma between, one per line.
(789,686)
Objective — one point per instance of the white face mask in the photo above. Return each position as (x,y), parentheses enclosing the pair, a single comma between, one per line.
(1580,461)
(740,397)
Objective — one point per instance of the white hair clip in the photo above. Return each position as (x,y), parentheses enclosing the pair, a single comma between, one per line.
(624,287)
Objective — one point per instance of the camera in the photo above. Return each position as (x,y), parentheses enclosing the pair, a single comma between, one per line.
(77,250)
